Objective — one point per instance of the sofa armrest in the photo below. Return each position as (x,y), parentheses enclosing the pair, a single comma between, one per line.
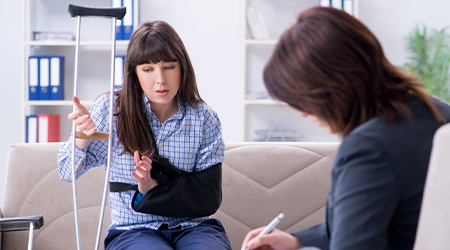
(21,223)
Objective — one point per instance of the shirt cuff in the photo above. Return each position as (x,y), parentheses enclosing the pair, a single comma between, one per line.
(138,199)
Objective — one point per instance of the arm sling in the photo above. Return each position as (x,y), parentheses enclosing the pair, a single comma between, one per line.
(178,193)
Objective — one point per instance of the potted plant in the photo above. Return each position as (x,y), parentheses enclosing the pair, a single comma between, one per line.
(429,59)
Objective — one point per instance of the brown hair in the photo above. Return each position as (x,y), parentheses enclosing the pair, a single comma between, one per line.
(329,64)
(152,42)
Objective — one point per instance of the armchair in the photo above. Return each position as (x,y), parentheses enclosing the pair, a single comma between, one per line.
(434,221)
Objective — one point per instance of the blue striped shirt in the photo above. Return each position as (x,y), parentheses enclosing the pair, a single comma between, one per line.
(191,140)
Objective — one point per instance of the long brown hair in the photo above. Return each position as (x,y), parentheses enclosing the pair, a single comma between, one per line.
(152,42)
(329,64)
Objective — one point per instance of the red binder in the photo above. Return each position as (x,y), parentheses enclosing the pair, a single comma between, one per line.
(48,128)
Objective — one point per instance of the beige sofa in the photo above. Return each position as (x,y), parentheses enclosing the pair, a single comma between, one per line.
(260,180)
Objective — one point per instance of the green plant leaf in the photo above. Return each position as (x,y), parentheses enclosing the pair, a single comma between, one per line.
(429,59)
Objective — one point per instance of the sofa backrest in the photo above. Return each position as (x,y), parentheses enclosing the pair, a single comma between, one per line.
(259,181)
(33,187)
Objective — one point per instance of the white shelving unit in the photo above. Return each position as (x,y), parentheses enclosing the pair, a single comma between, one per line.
(263,114)
(94,58)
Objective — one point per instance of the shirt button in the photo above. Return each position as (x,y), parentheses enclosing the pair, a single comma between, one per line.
(160,145)
(154,121)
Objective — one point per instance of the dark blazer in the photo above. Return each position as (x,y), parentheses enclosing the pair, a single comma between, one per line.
(378,179)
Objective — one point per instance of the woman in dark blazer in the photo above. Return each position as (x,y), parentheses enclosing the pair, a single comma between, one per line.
(331,67)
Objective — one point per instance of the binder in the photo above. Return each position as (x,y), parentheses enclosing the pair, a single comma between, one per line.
(56,78)
(44,78)
(33,78)
(337,4)
(348,7)
(262,24)
(48,128)
(257,26)
(325,3)
(251,25)
(31,129)
(128,20)
(119,23)
(119,71)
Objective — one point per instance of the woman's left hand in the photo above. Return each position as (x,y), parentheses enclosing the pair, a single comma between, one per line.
(142,174)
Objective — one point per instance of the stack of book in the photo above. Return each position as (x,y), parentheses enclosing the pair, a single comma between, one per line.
(53,36)
(254,95)
(276,133)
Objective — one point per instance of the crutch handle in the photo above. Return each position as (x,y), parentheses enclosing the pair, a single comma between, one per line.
(76,10)
(21,223)
(96,136)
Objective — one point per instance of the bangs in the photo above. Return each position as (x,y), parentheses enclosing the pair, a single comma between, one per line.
(153,49)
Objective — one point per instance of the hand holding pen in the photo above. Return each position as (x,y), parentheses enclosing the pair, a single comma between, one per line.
(262,232)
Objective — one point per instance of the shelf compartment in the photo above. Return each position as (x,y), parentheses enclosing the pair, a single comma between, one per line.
(250,42)
(57,103)
(258,117)
(263,102)
(73,43)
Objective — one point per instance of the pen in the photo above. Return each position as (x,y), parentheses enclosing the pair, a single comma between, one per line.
(270,226)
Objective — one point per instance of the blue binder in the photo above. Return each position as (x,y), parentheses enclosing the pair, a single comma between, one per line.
(32,129)
(128,20)
(33,78)
(56,78)
(119,67)
(338,4)
(44,78)
(119,23)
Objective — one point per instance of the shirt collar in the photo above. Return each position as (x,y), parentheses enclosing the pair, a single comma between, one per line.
(181,105)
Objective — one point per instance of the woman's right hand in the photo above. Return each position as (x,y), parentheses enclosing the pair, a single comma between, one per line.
(275,240)
(142,173)
(82,118)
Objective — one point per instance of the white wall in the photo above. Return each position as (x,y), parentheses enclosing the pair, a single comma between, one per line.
(391,21)
(10,83)
(211,31)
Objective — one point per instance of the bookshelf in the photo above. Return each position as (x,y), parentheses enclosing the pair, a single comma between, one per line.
(260,114)
(94,67)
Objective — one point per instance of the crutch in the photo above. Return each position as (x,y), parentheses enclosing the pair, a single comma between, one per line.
(115,14)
